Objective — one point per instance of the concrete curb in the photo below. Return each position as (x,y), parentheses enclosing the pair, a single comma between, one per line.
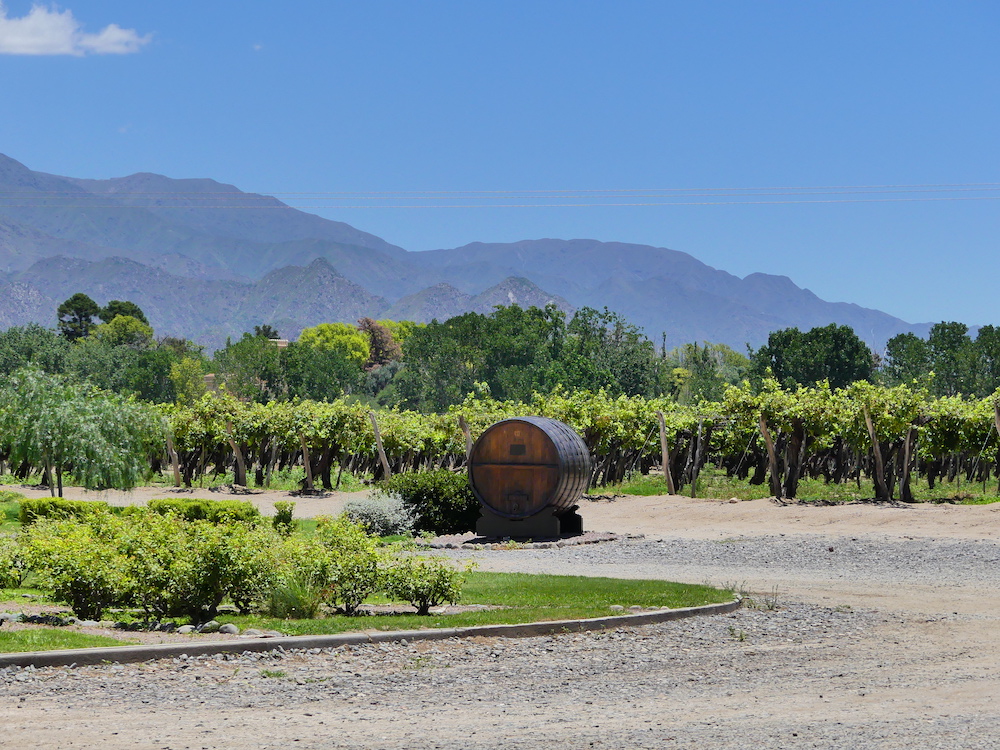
(127,654)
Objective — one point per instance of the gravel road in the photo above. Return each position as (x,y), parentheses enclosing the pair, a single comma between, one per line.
(884,639)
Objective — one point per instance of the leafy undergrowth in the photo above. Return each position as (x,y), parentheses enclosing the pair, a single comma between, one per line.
(9,510)
(713,483)
(52,639)
(285,480)
(516,598)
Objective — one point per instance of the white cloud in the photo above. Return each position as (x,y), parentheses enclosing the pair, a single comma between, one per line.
(50,31)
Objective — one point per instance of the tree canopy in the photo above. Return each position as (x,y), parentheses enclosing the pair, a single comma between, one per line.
(832,353)
(76,316)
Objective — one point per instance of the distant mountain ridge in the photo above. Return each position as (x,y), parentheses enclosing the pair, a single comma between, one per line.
(206,260)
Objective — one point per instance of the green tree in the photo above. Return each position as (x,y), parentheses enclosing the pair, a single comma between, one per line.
(32,345)
(266,331)
(351,342)
(952,359)
(833,353)
(125,330)
(251,368)
(118,307)
(907,359)
(603,350)
(987,352)
(696,372)
(188,378)
(319,373)
(76,316)
(102,439)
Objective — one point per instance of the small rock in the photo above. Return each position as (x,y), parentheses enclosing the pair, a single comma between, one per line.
(253,633)
(88,623)
(229,629)
(212,626)
(617,608)
(185,629)
(9,617)
(636,608)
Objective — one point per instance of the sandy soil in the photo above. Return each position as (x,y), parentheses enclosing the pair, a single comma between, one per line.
(885,659)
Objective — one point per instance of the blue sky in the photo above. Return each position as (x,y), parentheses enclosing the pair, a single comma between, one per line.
(465,113)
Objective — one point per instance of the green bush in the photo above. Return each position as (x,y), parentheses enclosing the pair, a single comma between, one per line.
(441,501)
(301,583)
(424,582)
(13,562)
(219,560)
(382,515)
(56,507)
(163,563)
(80,563)
(282,521)
(350,562)
(203,509)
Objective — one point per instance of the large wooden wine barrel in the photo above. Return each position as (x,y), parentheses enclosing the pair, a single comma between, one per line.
(521,466)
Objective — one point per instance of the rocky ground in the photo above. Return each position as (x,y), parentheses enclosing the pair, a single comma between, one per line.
(868,628)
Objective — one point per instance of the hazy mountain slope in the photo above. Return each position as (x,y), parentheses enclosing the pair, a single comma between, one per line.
(175,306)
(567,267)
(221,210)
(296,297)
(661,290)
(197,224)
(517,291)
(441,301)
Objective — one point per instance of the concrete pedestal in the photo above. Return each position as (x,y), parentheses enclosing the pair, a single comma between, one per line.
(543,525)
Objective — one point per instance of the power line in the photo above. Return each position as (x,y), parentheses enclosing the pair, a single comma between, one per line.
(526,205)
(786,190)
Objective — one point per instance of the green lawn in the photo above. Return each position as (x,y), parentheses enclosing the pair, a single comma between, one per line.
(520,597)
(52,639)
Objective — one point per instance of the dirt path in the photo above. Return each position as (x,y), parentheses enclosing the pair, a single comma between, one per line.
(885,635)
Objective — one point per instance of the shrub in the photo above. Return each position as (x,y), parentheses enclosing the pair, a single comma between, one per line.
(424,582)
(218,560)
(13,563)
(382,515)
(282,521)
(301,582)
(441,501)
(351,562)
(203,509)
(56,507)
(79,563)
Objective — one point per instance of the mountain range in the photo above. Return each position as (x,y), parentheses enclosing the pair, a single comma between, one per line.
(206,261)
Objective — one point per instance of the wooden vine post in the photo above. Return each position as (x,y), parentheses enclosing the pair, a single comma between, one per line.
(307,462)
(174,461)
(772,459)
(698,453)
(270,461)
(881,489)
(468,437)
(241,467)
(793,458)
(665,452)
(378,443)
(905,493)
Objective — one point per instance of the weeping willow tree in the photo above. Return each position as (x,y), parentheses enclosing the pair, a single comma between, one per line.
(100,439)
